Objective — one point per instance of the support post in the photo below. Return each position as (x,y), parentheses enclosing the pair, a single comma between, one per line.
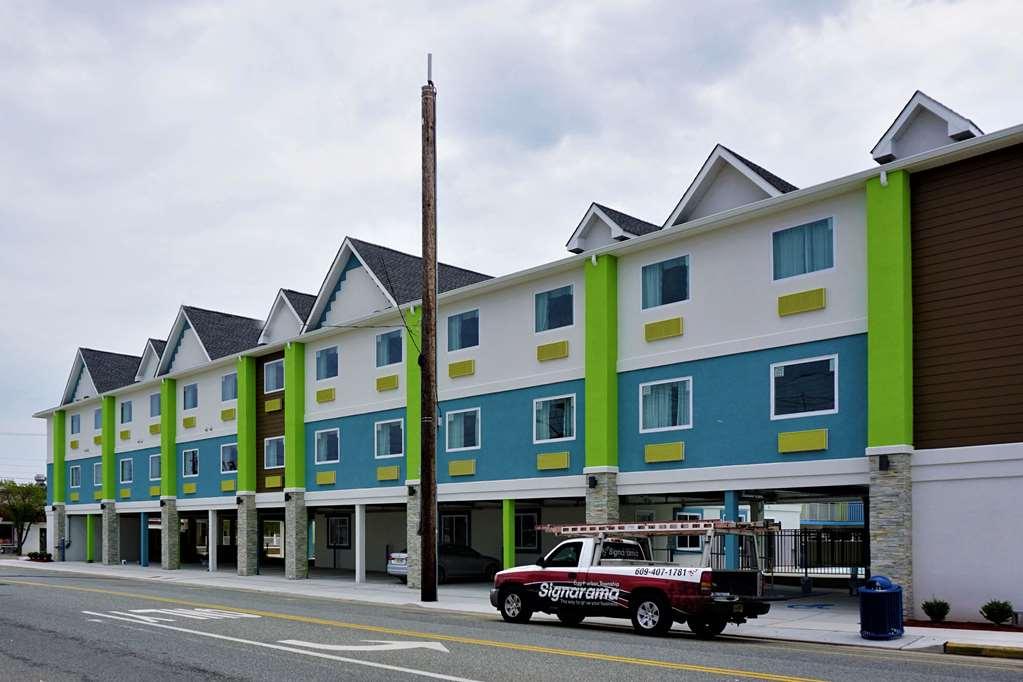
(144,539)
(57,530)
(111,531)
(296,518)
(247,540)
(90,538)
(170,524)
(413,415)
(508,533)
(600,395)
(731,513)
(360,543)
(212,534)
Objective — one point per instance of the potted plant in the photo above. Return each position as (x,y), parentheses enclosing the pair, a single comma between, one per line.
(997,612)
(936,609)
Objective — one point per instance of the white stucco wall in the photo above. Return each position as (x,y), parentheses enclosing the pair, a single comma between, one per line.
(207,414)
(139,426)
(86,448)
(148,365)
(924,132)
(966,538)
(728,188)
(282,323)
(85,388)
(359,296)
(189,352)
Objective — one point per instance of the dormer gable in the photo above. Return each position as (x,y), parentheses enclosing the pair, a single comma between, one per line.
(726,181)
(150,362)
(350,290)
(922,125)
(287,316)
(95,372)
(80,385)
(199,336)
(184,347)
(601,226)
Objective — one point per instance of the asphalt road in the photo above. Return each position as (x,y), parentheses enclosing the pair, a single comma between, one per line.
(60,627)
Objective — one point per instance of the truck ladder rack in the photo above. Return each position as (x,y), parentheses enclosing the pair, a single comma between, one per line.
(655,528)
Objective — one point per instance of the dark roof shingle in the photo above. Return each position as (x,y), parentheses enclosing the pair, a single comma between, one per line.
(302,303)
(782,186)
(110,370)
(158,346)
(627,222)
(223,334)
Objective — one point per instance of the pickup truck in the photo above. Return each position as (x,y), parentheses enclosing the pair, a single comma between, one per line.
(612,577)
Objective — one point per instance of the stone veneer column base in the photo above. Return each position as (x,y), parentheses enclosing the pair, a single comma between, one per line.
(413,540)
(891,523)
(296,536)
(170,534)
(248,535)
(111,534)
(58,530)
(602,501)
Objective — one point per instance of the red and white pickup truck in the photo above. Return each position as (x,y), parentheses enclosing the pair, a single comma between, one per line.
(602,570)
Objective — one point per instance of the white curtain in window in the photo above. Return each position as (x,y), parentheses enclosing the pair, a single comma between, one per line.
(652,285)
(665,405)
(543,424)
(818,243)
(789,252)
(542,311)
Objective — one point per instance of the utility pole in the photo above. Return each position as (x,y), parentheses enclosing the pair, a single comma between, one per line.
(428,351)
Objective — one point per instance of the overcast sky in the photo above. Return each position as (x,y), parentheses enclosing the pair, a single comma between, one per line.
(159,153)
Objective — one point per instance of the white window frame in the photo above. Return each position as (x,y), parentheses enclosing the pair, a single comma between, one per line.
(227,445)
(532,418)
(532,303)
(224,376)
(97,481)
(159,401)
(267,440)
(120,470)
(131,408)
(479,330)
(99,412)
(316,353)
(279,361)
(479,429)
(316,455)
(184,453)
(689,417)
(183,391)
(834,250)
(71,426)
(150,472)
(376,434)
(801,361)
(683,515)
(376,341)
(689,280)
(531,549)
(71,476)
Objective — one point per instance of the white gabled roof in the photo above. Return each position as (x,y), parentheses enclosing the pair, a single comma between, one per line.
(151,351)
(329,286)
(958,128)
(281,306)
(181,323)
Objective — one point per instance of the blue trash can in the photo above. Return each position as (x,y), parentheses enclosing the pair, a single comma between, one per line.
(880,609)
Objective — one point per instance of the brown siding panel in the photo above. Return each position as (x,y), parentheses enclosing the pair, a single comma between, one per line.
(268,424)
(967,235)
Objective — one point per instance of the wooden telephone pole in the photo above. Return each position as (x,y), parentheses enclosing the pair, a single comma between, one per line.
(428,350)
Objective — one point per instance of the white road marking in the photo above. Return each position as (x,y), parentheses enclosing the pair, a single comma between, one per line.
(279,647)
(375,645)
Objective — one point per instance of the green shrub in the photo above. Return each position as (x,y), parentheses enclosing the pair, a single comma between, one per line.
(997,612)
(936,609)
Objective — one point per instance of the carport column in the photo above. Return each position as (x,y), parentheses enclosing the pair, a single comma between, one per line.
(296,518)
(170,523)
(890,381)
(508,533)
(247,540)
(731,513)
(111,527)
(413,415)
(58,487)
(212,534)
(144,539)
(360,543)
(601,390)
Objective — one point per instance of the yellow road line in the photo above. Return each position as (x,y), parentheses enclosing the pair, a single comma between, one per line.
(532,648)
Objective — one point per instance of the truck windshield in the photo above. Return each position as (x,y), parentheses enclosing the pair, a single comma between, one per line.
(621,550)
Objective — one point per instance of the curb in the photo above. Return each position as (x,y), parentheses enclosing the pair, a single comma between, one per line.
(989,651)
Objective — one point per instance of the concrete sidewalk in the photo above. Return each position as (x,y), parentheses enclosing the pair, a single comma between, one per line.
(824,617)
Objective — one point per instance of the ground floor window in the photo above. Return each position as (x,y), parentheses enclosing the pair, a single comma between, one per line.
(526,537)
(688,543)
(454,529)
(339,532)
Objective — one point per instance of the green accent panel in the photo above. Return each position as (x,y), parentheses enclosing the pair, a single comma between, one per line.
(247,424)
(90,538)
(154,429)
(389,473)
(413,399)
(74,497)
(228,414)
(97,440)
(802,302)
(325,395)
(803,441)
(125,493)
(125,434)
(109,463)
(462,467)
(462,368)
(189,488)
(168,437)
(387,383)
(188,422)
(548,461)
(73,444)
(273,405)
(59,468)
(272,481)
(326,477)
(97,495)
(227,485)
(154,491)
(662,329)
(664,452)
(294,415)
(508,533)
(552,351)
(601,379)
(889,313)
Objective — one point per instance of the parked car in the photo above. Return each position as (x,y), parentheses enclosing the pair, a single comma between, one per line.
(454,562)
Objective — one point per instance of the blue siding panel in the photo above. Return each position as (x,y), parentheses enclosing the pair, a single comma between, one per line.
(140,475)
(358,465)
(209,478)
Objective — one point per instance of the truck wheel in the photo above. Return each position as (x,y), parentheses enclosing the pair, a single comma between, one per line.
(706,629)
(651,614)
(571,617)
(513,606)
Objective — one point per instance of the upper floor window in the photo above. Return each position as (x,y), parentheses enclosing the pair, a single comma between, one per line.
(554,419)
(154,405)
(229,387)
(389,438)
(229,458)
(126,412)
(76,423)
(665,405)
(273,453)
(76,476)
(273,376)
(464,330)
(191,396)
(553,308)
(804,248)
(154,467)
(803,388)
(97,473)
(326,363)
(190,463)
(463,430)
(127,470)
(666,282)
(97,419)
(328,446)
(389,348)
